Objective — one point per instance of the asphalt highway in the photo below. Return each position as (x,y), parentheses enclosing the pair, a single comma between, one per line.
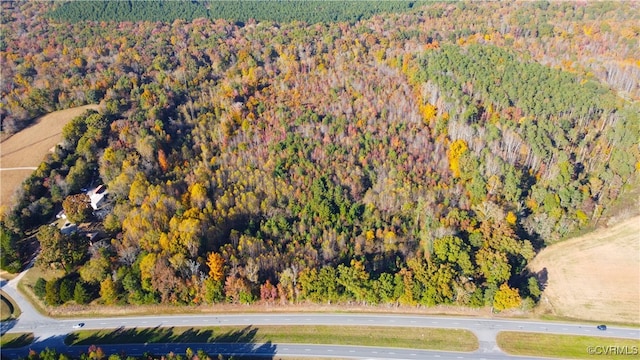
(268,350)
(476,325)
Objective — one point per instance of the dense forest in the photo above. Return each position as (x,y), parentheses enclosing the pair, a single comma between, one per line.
(310,11)
(419,157)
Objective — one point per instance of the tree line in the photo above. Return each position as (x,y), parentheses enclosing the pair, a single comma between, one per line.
(96,352)
(308,11)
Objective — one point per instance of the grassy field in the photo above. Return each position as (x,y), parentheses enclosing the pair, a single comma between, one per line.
(8,308)
(16,340)
(416,338)
(565,346)
(28,147)
(595,276)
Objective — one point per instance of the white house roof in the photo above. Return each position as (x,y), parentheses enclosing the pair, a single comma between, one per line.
(97,195)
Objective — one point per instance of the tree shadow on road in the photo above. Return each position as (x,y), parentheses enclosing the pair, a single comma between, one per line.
(22,339)
(7,325)
(161,341)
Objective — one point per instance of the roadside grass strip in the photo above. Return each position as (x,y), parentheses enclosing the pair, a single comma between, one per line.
(16,340)
(399,337)
(566,346)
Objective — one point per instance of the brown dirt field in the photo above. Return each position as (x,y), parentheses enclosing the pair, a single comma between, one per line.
(28,147)
(595,276)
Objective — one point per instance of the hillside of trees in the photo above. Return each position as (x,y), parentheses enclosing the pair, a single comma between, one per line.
(413,158)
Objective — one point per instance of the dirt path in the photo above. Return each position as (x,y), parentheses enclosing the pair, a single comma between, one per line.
(19,168)
(24,151)
(595,276)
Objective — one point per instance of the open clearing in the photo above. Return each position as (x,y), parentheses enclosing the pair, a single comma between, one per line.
(27,148)
(595,276)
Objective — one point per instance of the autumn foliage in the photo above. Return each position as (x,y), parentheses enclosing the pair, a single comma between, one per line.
(216,266)
(415,158)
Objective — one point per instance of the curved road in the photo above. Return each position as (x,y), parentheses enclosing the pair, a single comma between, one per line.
(51,332)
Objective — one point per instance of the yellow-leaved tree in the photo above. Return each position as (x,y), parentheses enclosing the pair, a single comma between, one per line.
(506,298)
(456,150)
(215,262)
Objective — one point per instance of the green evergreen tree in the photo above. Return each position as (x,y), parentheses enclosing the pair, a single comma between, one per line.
(66,290)
(40,288)
(52,292)
(9,258)
(80,295)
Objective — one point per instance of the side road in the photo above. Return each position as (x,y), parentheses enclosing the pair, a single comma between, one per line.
(30,319)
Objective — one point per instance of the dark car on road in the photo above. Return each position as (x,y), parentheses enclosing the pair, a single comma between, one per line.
(602,327)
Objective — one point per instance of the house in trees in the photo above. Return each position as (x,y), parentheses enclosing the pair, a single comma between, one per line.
(61,215)
(93,237)
(98,196)
(68,228)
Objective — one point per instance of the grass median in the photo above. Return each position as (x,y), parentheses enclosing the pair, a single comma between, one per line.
(16,340)
(564,346)
(400,337)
